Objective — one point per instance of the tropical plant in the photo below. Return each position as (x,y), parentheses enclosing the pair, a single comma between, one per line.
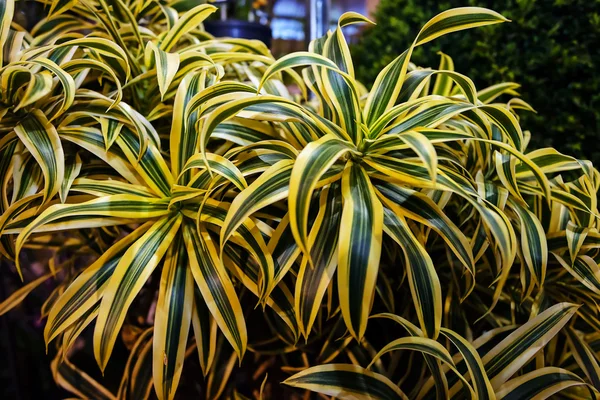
(406,234)
(564,95)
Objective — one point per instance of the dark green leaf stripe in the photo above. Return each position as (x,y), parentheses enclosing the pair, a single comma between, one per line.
(254,163)
(137,269)
(272,104)
(193,60)
(41,139)
(39,86)
(280,298)
(313,281)
(576,236)
(72,169)
(533,241)
(219,165)
(457,19)
(109,23)
(13,78)
(171,336)
(103,46)
(415,343)
(273,184)
(430,348)
(26,177)
(505,168)
(422,209)
(429,117)
(79,381)
(150,162)
(418,77)
(74,330)
(312,163)
(488,94)
(12,213)
(443,85)
(275,146)
(184,140)
(284,249)
(377,126)
(187,22)
(413,84)
(111,128)
(548,380)
(65,79)
(87,289)
(70,221)
(517,348)
(351,17)
(585,356)
(239,133)
(101,106)
(212,278)
(108,188)
(471,358)
(247,231)
(587,272)
(7,148)
(340,92)
(554,161)
(203,332)
(294,60)
(299,132)
(118,205)
(199,99)
(7,8)
(351,379)
(92,136)
(90,283)
(507,123)
(424,282)
(360,238)
(310,78)
(482,346)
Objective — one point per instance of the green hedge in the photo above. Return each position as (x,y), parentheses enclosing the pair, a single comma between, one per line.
(551,47)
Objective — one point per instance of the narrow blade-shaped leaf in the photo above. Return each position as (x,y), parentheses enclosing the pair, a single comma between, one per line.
(359,251)
(515,350)
(346,381)
(172,320)
(215,285)
(422,277)
(130,274)
(539,385)
(42,141)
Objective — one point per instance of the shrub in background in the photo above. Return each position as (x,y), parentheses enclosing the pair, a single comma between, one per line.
(388,244)
(549,48)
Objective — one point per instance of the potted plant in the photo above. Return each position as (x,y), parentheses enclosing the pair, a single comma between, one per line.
(247,19)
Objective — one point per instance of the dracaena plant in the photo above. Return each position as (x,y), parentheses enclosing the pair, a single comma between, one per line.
(120,92)
(442,171)
(399,242)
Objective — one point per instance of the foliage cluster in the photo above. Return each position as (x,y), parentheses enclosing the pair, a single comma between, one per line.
(395,243)
(548,48)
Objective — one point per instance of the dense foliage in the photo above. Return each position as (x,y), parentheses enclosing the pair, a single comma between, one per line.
(549,49)
(396,243)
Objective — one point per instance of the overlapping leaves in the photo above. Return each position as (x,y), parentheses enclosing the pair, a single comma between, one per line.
(182,159)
